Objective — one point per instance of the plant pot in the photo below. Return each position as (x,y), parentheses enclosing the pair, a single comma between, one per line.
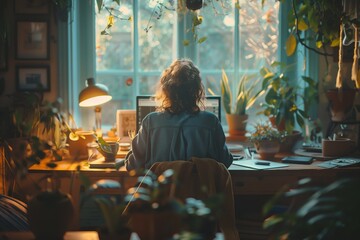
(236,124)
(194,4)
(289,142)
(154,225)
(341,102)
(50,215)
(267,149)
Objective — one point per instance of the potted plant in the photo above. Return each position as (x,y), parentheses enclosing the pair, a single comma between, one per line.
(199,218)
(150,202)
(266,140)
(286,104)
(329,28)
(111,208)
(236,106)
(36,126)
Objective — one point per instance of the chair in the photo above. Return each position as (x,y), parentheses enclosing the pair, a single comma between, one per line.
(197,173)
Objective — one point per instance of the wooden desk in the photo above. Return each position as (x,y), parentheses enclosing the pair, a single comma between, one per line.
(246,182)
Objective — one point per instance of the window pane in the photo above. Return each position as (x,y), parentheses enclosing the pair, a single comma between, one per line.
(218,50)
(148,84)
(156,44)
(258,33)
(115,51)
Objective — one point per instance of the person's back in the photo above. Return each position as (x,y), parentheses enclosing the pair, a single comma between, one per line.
(179,130)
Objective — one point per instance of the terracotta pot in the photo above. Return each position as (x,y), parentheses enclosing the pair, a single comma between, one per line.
(236,124)
(50,215)
(154,225)
(340,103)
(267,149)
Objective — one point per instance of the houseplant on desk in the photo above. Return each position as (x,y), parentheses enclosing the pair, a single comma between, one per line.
(266,140)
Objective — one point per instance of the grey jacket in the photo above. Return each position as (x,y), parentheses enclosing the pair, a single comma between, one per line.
(169,137)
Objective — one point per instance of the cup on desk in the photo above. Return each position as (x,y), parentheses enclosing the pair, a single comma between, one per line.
(338,147)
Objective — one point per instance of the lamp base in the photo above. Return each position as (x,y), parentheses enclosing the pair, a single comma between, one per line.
(101,163)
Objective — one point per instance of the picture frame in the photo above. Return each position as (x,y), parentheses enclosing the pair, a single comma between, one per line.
(125,121)
(33,78)
(31,6)
(32,39)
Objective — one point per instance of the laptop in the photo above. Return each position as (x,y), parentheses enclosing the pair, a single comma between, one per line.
(146,104)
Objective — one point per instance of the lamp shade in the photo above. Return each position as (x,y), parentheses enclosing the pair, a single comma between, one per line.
(93,94)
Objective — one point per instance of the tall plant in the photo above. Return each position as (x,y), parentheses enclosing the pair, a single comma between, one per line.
(246,94)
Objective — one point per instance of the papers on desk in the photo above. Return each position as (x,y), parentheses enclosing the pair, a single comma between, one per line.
(340,162)
(259,164)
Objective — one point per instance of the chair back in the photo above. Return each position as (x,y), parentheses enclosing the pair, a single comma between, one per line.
(201,178)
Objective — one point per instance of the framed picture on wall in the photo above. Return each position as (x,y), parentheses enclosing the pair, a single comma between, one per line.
(32,39)
(31,6)
(33,78)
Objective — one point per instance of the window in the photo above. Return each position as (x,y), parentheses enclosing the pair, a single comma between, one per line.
(130,60)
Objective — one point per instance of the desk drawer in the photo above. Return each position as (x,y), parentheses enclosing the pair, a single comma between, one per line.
(261,185)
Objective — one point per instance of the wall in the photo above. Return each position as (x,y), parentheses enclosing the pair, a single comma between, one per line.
(13,14)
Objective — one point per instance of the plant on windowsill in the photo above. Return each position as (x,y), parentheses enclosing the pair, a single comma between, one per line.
(236,106)
(330,29)
(286,104)
(266,140)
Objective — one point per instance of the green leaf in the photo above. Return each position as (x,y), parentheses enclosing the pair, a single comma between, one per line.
(202,39)
(99,5)
(226,92)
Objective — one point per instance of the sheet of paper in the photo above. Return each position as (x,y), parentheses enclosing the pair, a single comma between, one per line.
(258,164)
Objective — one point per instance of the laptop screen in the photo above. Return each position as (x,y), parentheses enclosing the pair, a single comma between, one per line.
(146,104)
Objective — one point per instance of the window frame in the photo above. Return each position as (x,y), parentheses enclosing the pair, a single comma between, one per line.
(77,57)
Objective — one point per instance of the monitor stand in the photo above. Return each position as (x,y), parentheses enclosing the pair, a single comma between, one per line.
(101,163)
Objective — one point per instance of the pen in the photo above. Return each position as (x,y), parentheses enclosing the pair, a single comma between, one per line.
(262,163)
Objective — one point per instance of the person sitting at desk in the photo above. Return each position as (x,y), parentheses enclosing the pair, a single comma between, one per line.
(178,130)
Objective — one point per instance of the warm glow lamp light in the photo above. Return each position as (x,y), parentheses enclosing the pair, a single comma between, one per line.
(93,96)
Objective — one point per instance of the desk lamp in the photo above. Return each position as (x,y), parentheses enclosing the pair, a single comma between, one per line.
(93,95)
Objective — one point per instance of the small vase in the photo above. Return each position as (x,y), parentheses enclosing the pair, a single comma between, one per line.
(50,215)
(267,149)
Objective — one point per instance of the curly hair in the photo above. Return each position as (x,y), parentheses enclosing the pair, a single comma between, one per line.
(180,88)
